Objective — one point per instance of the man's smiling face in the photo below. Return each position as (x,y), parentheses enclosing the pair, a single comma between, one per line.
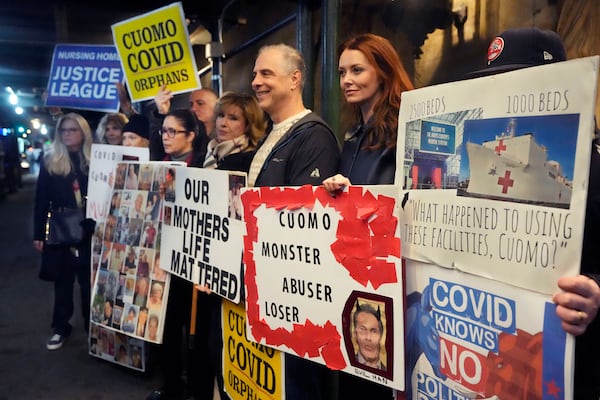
(272,81)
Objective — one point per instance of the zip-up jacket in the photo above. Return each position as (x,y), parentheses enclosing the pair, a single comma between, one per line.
(306,154)
(366,167)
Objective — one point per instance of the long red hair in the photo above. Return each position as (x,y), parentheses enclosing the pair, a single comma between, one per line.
(394,80)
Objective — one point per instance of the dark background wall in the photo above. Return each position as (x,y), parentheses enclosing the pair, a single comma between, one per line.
(438,40)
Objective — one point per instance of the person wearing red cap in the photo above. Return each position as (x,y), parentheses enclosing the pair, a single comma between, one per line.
(579,299)
(521,48)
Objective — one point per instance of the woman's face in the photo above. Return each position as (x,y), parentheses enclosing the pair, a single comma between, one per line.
(152,328)
(71,134)
(358,79)
(132,139)
(180,143)
(156,292)
(230,123)
(142,317)
(113,133)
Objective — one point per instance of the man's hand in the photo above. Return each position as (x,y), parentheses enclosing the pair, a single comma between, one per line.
(163,100)
(578,303)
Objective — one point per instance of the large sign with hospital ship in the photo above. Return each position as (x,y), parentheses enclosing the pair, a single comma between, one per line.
(490,225)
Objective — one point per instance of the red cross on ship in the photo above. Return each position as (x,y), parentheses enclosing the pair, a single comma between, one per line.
(516,168)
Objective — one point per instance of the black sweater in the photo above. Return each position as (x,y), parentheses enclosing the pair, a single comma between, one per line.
(366,167)
(56,191)
(307,154)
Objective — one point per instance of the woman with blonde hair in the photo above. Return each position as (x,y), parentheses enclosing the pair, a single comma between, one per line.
(240,123)
(62,184)
(110,128)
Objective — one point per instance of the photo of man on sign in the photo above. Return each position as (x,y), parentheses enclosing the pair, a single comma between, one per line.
(368,332)
(368,328)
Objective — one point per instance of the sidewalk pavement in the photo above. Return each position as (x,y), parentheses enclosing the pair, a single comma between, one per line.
(27,370)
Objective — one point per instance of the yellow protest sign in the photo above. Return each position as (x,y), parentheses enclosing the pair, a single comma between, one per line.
(250,370)
(155,50)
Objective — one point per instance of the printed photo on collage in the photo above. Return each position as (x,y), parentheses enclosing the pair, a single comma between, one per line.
(129,289)
(116,347)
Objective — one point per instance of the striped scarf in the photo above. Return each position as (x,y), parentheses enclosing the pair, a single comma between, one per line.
(216,151)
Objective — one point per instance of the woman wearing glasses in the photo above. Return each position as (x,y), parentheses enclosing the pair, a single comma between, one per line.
(184,139)
(62,183)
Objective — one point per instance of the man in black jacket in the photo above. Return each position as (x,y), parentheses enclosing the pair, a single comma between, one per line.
(299,149)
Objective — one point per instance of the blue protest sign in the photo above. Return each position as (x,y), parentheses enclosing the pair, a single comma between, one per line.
(84,77)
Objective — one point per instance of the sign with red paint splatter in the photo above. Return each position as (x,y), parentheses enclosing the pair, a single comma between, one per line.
(323,277)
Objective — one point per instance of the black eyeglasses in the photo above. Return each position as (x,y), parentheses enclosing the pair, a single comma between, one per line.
(170,132)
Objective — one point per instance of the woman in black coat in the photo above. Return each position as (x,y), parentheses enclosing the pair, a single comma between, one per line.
(372,79)
(183,139)
(62,183)
(240,123)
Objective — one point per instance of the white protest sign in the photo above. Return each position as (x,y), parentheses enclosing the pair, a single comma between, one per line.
(323,277)
(130,291)
(103,161)
(202,235)
(514,165)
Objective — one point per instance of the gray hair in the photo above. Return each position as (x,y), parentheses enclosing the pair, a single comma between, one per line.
(292,58)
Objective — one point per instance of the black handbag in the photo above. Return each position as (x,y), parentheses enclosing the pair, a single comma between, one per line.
(64,226)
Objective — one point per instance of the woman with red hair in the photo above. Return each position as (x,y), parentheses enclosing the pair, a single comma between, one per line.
(372,79)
